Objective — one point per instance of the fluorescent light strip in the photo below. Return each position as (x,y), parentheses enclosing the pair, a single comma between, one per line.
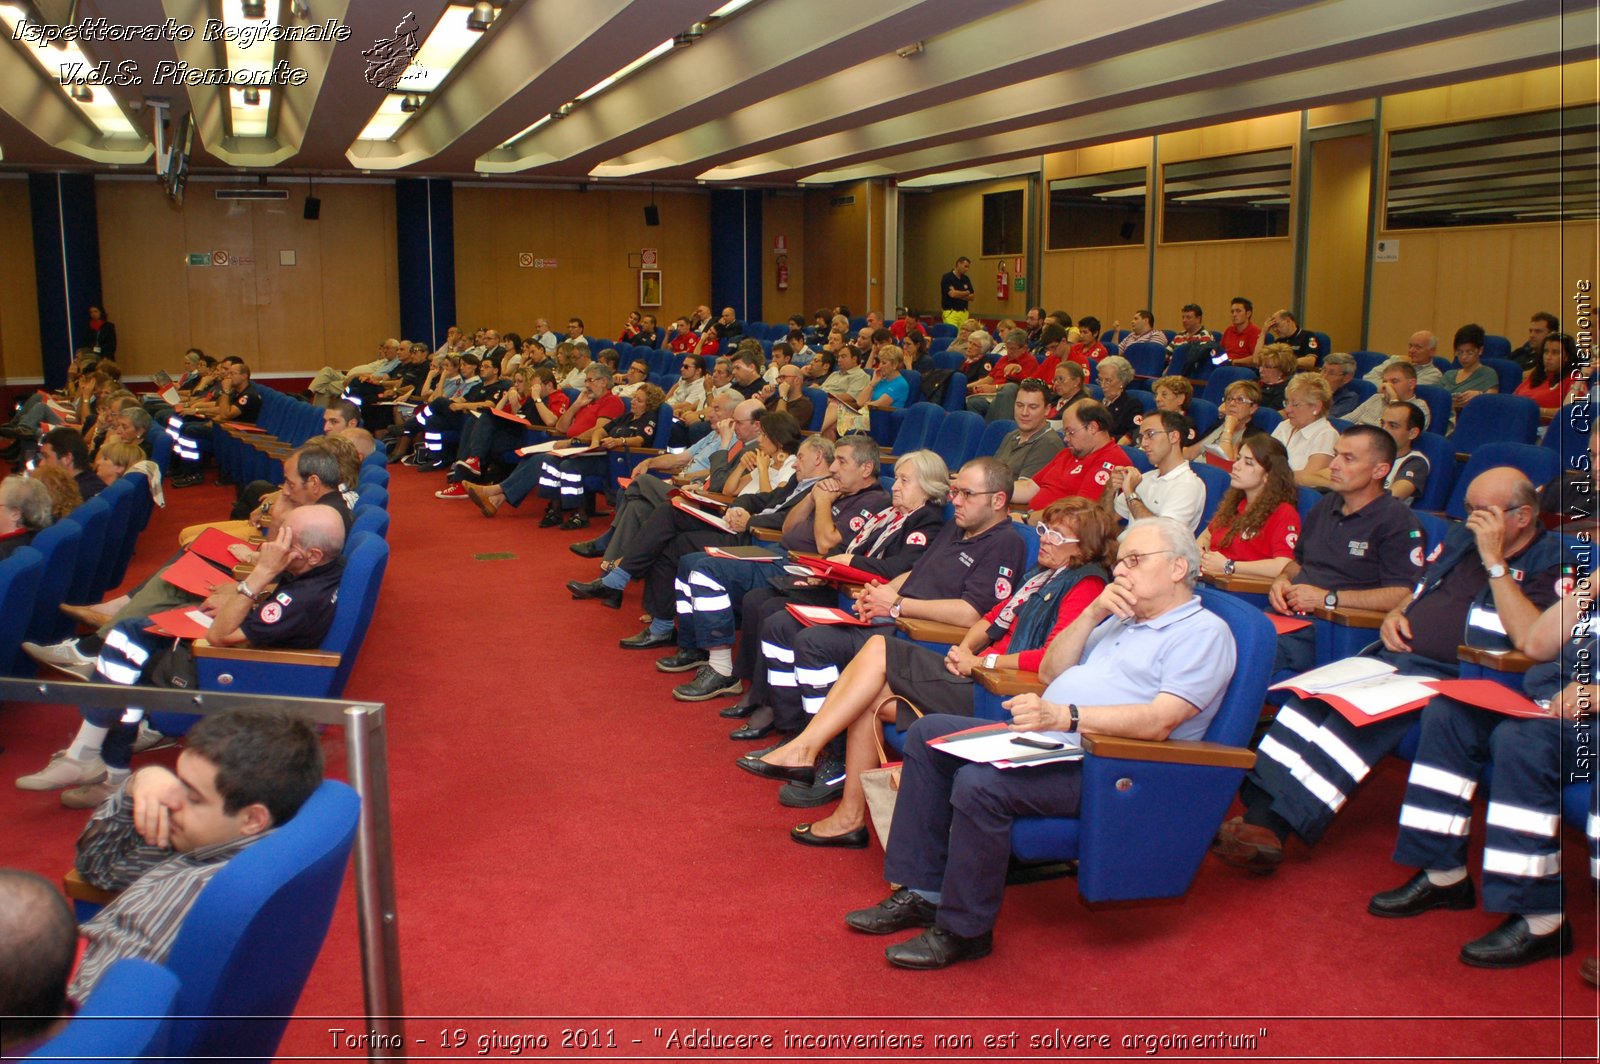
(101,108)
(537,125)
(249,121)
(600,86)
(257,59)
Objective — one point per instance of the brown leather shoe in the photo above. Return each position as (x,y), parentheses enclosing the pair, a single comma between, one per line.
(1248,846)
(1590,970)
(480,495)
(85,615)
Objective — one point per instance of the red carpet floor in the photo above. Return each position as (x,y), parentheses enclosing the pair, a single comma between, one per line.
(575,848)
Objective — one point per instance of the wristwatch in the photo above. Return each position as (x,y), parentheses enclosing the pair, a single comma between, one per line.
(1496,571)
(894,611)
(1331,599)
(1227,567)
(244,589)
(989,660)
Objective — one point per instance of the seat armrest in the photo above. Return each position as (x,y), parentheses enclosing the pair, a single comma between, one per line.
(648,452)
(719,496)
(767,535)
(1350,617)
(1239,583)
(931,631)
(1171,751)
(1008,682)
(321,658)
(80,889)
(1499,660)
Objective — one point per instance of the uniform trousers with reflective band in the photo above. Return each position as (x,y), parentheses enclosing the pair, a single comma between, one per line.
(952,823)
(1312,760)
(192,440)
(757,609)
(574,480)
(666,537)
(524,479)
(125,658)
(1533,759)
(803,663)
(710,592)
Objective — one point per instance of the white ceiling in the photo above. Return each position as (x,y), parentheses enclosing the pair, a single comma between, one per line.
(796,90)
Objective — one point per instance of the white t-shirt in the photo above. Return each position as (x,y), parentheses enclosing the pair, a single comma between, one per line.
(1179,494)
(693,393)
(1319,437)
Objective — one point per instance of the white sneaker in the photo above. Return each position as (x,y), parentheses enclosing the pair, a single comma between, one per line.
(63,655)
(64,771)
(150,739)
(90,795)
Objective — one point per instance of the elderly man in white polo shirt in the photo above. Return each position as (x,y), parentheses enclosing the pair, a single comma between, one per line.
(1171,489)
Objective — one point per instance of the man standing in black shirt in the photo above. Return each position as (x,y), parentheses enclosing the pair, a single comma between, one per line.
(956,292)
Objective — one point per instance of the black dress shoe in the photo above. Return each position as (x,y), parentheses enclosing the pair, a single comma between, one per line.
(759,726)
(1418,895)
(687,659)
(551,518)
(586,549)
(575,520)
(898,911)
(594,589)
(188,480)
(1512,945)
(706,685)
(938,948)
(782,773)
(738,711)
(850,840)
(826,786)
(645,641)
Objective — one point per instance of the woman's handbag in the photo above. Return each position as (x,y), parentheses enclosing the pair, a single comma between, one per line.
(881,786)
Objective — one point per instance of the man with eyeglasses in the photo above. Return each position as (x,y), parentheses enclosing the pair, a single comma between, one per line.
(1399,385)
(1172,489)
(1085,468)
(1143,660)
(971,564)
(1484,586)
(1034,444)
(1420,349)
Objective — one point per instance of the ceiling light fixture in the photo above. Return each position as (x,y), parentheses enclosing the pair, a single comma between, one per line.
(252,97)
(914,48)
(689,36)
(482,16)
(82,93)
(563,111)
(254,9)
(411,103)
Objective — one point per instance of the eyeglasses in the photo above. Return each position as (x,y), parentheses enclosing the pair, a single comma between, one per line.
(967,493)
(1150,434)
(1132,560)
(1052,537)
(1240,399)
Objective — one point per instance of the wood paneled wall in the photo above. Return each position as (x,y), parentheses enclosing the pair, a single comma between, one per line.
(784,215)
(337,301)
(947,223)
(19,303)
(1496,276)
(591,236)
(837,270)
(1341,186)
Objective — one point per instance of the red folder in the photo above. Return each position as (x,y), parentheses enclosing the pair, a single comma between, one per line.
(815,615)
(213,544)
(245,426)
(1490,695)
(518,418)
(835,572)
(177,623)
(1284,625)
(195,575)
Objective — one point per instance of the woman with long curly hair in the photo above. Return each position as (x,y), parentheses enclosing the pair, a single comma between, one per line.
(1257,523)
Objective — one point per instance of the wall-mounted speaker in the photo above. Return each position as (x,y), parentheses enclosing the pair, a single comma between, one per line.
(313,208)
(652,215)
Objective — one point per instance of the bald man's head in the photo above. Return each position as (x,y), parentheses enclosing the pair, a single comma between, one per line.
(38,938)
(318,536)
(363,440)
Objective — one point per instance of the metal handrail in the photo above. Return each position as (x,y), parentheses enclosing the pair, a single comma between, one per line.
(367,761)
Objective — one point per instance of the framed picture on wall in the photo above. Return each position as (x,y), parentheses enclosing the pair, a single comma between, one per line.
(649,288)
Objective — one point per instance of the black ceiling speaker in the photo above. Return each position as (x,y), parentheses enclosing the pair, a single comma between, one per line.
(313,208)
(652,214)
